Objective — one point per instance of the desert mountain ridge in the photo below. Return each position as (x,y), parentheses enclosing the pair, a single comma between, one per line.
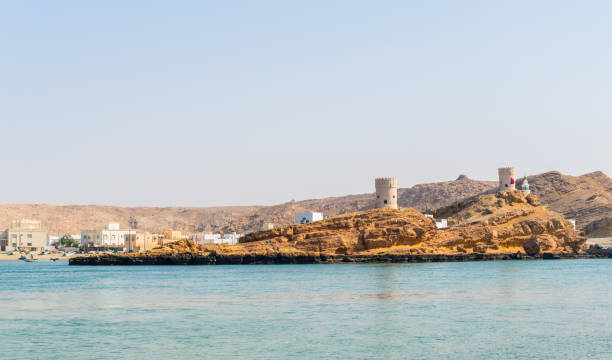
(586,198)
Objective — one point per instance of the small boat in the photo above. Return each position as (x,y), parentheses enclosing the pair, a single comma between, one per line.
(29,260)
(54,259)
(22,257)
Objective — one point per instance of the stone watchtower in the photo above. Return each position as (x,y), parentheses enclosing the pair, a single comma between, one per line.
(507,178)
(386,193)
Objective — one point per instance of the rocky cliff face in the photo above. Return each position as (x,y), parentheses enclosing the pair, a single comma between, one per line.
(347,233)
(504,223)
(507,221)
(586,198)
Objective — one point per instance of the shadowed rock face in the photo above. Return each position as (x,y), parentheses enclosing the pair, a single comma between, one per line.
(599,228)
(503,223)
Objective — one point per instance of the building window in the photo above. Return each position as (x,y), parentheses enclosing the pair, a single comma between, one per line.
(29,236)
(378,196)
(29,244)
(385,201)
(394,196)
(506,185)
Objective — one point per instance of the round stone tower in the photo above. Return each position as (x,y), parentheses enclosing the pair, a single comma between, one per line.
(386,193)
(507,178)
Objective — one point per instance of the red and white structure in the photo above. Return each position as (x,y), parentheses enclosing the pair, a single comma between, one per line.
(507,178)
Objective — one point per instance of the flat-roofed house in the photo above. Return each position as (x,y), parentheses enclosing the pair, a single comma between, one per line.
(27,235)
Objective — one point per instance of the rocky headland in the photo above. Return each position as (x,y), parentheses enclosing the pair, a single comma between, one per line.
(501,226)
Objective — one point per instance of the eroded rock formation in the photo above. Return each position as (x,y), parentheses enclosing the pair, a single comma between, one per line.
(503,223)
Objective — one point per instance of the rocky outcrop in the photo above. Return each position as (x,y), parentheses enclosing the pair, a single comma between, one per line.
(492,226)
(539,244)
(504,222)
(586,198)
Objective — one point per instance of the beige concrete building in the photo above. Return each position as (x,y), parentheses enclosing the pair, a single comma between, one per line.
(171,236)
(141,242)
(27,235)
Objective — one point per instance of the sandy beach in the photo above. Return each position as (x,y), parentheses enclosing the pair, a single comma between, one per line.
(16,256)
(605,242)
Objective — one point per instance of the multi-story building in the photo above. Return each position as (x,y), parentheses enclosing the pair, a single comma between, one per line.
(26,235)
(141,241)
(111,235)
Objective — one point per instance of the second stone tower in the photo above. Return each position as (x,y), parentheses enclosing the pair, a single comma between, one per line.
(386,193)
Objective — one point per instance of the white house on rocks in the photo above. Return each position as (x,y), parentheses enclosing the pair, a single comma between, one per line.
(308,217)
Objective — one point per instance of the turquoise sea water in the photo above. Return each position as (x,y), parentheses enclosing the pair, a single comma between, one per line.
(480,310)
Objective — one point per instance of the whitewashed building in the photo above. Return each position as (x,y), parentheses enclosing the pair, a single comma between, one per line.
(110,235)
(308,217)
(442,224)
(230,239)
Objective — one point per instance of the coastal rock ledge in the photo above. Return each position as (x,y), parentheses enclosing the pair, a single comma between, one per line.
(503,226)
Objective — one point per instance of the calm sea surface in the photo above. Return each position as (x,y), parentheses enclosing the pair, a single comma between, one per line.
(481,310)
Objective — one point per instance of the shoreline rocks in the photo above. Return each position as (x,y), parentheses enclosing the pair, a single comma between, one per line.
(279,259)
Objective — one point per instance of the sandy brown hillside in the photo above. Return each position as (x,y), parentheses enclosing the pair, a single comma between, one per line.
(71,219)
(586,198)
(421,197)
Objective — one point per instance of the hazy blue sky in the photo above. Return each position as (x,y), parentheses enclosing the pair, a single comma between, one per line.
(206,103)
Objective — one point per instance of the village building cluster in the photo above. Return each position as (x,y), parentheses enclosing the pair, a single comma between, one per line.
(30,236)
